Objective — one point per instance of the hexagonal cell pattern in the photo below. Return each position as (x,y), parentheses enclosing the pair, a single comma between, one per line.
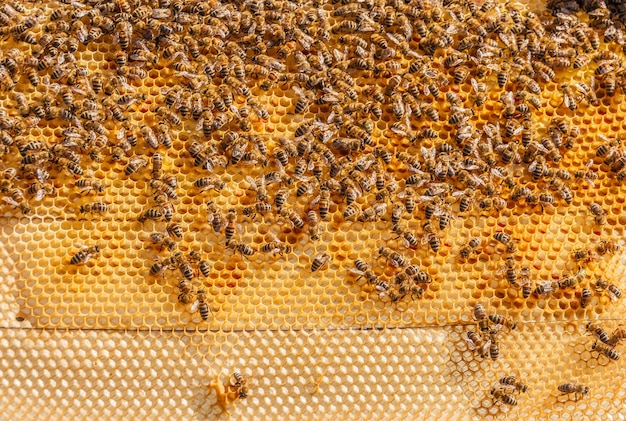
(312,168)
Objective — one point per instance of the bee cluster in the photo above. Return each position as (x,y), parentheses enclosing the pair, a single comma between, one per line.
(605,342)
(399,119)
(505,388)
(485,341)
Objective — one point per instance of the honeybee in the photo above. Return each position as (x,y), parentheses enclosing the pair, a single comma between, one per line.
(84,255)
(373,213)
(320,260)
(186,291)
(500,395)
(606,246)
(470,248)
(618,335)
(598,331)
(614,292)
(525,281)
(244,249)
(276,247)
(395,258)
(162,240)
(362,269)
(160,188)
(240,383)
(409,239)
(563,190)
(510,270)
(514,383)
(505,321)
(431,237)
(96,207)
(479,312)
(502,238)
(210,182)
(576,389)
(203,306)
(295,219)
(152,213)
(605,350)
(135,163)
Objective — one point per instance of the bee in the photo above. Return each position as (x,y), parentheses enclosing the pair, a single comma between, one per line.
(96,207)
(319,261)
(160,188)
(525,281)
(502,238)
(514,383)
(562,188)
(538,167)
(186,291)
(605,247)
(238,382)
(470,248)
(324,203)
(614,292)
(608,147)
(410,240)
(598,332)
(500,395)
(599,214)
(503,320)
(373,213)
(314,227)
(293,217)
(431,237)
(210,182)
(215,217)
(162,240)
(259,207)
(244,249)
(152,213)
(395,258)
(618,335)
(479,312)
(84,255)
(362,269)
(149,136)
(203,306)
(576,389)
(135,163)
(589,92)
(473,340)
(605,350)
(605,67)
(259,188)
(510,270)
(276,247)
(175,230)
(171,117)
(409,160)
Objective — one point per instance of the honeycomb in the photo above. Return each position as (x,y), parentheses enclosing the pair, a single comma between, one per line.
(228,90)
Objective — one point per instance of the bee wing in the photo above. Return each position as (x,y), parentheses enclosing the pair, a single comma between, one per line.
(41,193)
(484,349)
(251,181)
(355,270)
(194,306)
(331,116)
(10,201)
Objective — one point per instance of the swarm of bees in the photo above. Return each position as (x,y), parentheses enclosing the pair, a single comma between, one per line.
(484,341)
(383,136)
